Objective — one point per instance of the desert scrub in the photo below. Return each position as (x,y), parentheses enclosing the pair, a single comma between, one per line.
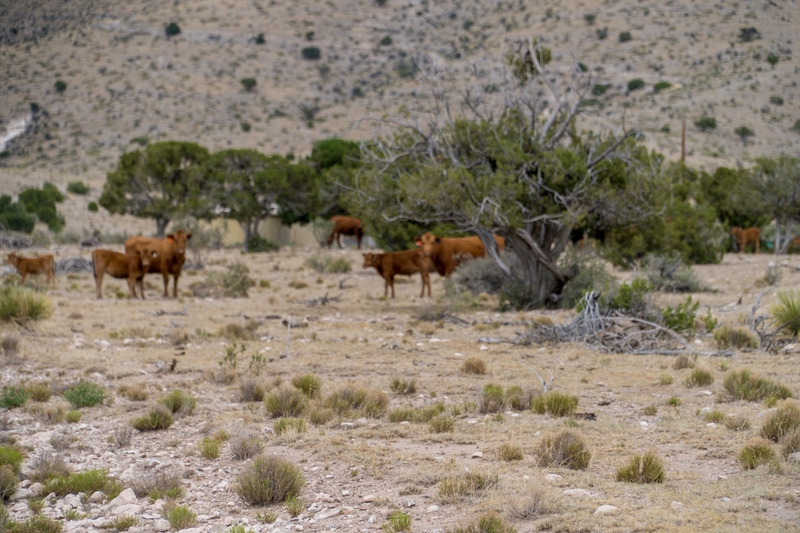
(285,401)
(699,377)
(35,524)
(351,399)
(39,392)
(209,448)
(566,449)
(308,384)
(787,312)
(647,468)
(269,479)
(716,416)
(490,522)
(554,403)
(22,305)
(734,337)
(88,482)
(251,390)
(737,423)
(329,265)
(790,443)
(158,486)
(123,523)
(756,453)
(179,516)
(157,418)
(12,457)
(474,365)
(135,393)
(442,424)
(416,414)
(283,425)
(86,394)
(402,387)
(47,466)
(398,521)
(179,403)
(745,385)
(232,283)
(294,506)
(72,416)
(783,421)
(8,483)
(246,445)
(492,399)
(509,452)
(455,488)
(683,361)
(12,397)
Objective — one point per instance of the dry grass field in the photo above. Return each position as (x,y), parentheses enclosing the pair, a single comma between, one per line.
(360,467)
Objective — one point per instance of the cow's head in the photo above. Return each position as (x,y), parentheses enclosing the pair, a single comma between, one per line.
(147,257)
(427,241)
(12,259)
(370,260)
(180,238)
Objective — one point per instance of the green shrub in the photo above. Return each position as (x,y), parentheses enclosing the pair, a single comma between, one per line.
(39,392)
(285,401)
(35,524)
(757,452)
(772,59)
(72,417)
(123,523)
(625,36)
(246,446)
(398,521)
(403,387)
(716,416)
(386,41)
(783,421)
(635,85)
(681,317)
(492,398)
(260,39)
(179,516)
(86,394)
(13,396)
(87,482)
(787,312)
(172,29)
(92,207)
(474,365)
(60,86)
(745,385)
(565,449)
(744,133)
(157,418)
(700,377)
(158,485)
(705,123)
(554,403)
(490,522)
(258,244)
(601,33)
(632,298)
(796,126)
(661,86)
(294,506)
(209,448)
(12,457)
(308,384)
(282,425)
(509,452)
(599,89)
(179,403)
(8,483)
(77,187)
(442,424)
(311,52)
(734,337)
(249,84)
(455,488)
(21,305)
(647,468)
(269,479)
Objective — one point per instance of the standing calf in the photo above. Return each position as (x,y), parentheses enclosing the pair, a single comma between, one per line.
(131,266)
(34,265)
(403,263)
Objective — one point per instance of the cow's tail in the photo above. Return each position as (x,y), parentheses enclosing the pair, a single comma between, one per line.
(94,266)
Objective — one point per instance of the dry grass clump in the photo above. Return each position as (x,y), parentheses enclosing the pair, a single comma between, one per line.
(716,416)
(286,400)
(61,440)
(442,424)
(734,337)
(308,384)
(320,415)
(251,390)
(233,283)
(134,393)
(738,423)
(39,392)
(47,466)
(329,265)
(683,361)
(509,452)
(490,522)
(455,488)
(9,344)
(234,331)
(783,421)
(353,400)
(269,479)
(157,485)
(757,452)
(246,445)
(790,443)
(566,449)
(492,399)
(787,311)
(699,377)
(179,516)
(121,437)
(157,418)
(73,416)
(554,403)
(12,457)
(284,425)
(745,385)
(8,483)
(647,468)
(22,305)
(179,403)
(403,387)
(474,365)
(418,414)
(531,503)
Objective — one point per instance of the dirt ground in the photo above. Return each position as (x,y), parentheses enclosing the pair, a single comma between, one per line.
(359,470)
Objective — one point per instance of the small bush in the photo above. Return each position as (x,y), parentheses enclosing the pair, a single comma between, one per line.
(647,468)
(308,384)
(10,347)
(398,521)
(157,418)
(294,506)
(12,397)
(329,265)
(209,448)
(39,392)
(474,365)
(442,424)
(46,467)
(737,423)
(311,53)
(716,416)
(179,403)
(755,453)
(555,403)
(734,337)
(123,523)
(601,33)
(650,410)
(492,399)
(564,449)
(179,516)
(661,86)
(135,393)
(744,133)
(157,485)
(260,39)
(92,207)
(490,522)
(673,401)
(705,123)
(269,479)
(35,524)
(635,85)
(232,283)
(790,443)
(625,36)
(365,402)
(86,394)
(11,456)
(8,483)
(172,29)
(246,446)
(72,417)
(285,401)
(60,86)
(681,317)
(683,361)
(122,436)
(249,84)
(403,387)
(283,425)
(700,377)
(455,488)
(86,482)
(251,390)
(787,312)
(21,305)
(744,385)
(783,421)
(665,379)
(509,452)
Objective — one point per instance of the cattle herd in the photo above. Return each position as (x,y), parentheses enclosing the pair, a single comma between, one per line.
(166,256)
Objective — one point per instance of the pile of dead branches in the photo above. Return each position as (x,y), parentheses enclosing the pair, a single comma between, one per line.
(610,332)
(73,264)
(13,240)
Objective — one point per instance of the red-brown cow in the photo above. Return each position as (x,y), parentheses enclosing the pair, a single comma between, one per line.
(34,265)
(171,255)
(744,236)
(403,263)
(131,267)
(447,253)
(345,226)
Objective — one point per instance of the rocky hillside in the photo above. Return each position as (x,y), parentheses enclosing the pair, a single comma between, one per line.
(317,67)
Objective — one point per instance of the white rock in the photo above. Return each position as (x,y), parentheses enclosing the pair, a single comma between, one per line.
(431,508)
(128,509)
(73,500)
(643,424)
(193,530)
(345,492)
(553,477)
(484,347)
(330,513)
(677,506)
(125,497)
(35,488)
(477,455)
(410,503)
(25,483)
(97,497)
(711,425)
(369,498)
(793,458)
(578,493)
(726,499)
(348,425)
(605,509)
(162,525)
(372,519)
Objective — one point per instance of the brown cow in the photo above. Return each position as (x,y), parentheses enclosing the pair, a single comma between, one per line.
(744,236)
(345,226)
(171,255)
(447,253)
(404,263)
(34,265)
(131,266)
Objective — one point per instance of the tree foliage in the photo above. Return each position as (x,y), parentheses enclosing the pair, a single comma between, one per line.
(157,182)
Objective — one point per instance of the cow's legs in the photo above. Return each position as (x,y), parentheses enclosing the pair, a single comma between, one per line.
(140,283)
(131,286)
(339,239)
(165,275)
(98,280)
(330,238)
(175,287)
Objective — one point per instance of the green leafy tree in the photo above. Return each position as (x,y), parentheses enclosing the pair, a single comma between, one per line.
(777,180)
(744,133)
(735,197)
(157,182)
(14,216)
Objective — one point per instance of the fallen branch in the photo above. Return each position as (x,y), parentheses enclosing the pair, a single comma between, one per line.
(342,286)
(160,312)
(323,300)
